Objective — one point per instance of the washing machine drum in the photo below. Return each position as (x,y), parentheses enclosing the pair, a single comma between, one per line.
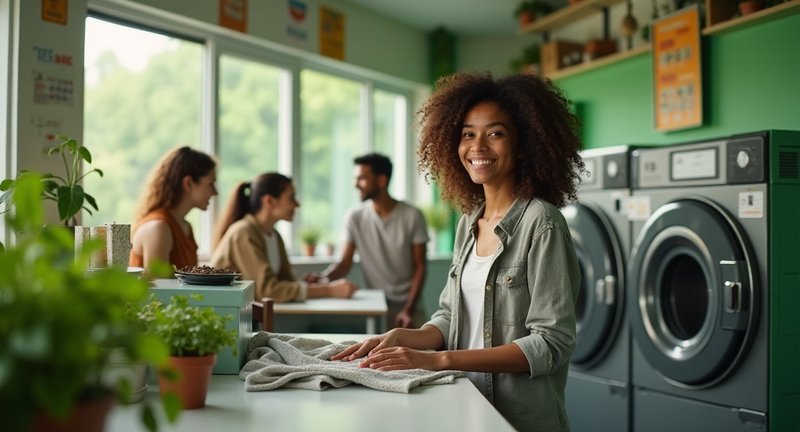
(599,307)
(694,297)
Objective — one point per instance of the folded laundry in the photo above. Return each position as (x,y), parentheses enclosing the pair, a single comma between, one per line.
(280,360)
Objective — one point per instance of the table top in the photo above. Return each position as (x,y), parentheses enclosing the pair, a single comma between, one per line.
(363,302)
(458,406)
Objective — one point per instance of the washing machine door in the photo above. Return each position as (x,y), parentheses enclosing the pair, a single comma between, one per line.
(694,297)
(599,307)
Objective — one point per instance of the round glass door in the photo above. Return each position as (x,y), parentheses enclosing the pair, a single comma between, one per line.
(599,305)
(693,295)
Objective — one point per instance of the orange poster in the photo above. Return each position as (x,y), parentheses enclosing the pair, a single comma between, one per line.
(677,77)
(54,11)
(233,14)
(331,33)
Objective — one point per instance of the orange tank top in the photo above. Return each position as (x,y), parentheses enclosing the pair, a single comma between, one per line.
(184,248)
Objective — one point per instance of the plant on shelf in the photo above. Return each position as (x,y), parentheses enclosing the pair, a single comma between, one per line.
(310,236)
(746,7)
(194,335)
(528,10)
(60,323)
(65,190)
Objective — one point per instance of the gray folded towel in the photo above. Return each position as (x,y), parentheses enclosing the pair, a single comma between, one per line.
(279,360)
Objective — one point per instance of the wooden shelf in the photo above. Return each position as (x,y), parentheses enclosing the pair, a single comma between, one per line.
(602,61)
(768,14)
(567,15)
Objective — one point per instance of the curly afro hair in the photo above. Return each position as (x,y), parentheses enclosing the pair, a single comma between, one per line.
(549,166)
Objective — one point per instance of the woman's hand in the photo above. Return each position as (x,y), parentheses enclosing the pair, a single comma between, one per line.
(399,358)
(342,288)
(367,347)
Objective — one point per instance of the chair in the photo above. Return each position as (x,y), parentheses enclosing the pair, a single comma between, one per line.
(263,314)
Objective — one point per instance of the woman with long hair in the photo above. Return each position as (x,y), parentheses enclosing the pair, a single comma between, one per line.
(184,179)
(247,241)
(506,154)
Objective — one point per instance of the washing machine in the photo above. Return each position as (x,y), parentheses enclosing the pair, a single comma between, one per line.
(714,287)
(597,391)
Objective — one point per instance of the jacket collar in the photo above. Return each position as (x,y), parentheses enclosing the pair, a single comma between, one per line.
(509,222)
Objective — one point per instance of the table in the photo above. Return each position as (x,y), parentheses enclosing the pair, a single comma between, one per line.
(457,407)
(367,303)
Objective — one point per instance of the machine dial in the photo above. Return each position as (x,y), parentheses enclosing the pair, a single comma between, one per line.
(612,169)
(742,159)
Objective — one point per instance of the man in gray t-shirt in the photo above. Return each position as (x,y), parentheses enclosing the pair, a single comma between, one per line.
(390,238)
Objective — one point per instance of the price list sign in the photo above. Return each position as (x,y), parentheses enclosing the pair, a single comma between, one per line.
(677,80)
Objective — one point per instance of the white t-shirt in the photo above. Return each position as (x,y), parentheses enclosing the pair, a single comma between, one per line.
(273,252)
(384,246)
(473,290)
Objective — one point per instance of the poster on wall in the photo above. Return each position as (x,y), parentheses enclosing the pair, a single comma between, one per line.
(233,14)
(331,33)
(677,77)
(54,11)
(297,27)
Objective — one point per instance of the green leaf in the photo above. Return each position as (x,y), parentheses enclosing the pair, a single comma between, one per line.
(70,201)
(172,406)
(91,201)
(83,152)
(6,184)
(27,201)
(149,418)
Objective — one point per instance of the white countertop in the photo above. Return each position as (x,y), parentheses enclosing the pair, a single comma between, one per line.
(363,302)
(448,407)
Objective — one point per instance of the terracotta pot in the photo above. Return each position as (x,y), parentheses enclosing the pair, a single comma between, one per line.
(309,248)
(526,18)
(191,385)
(748,7)
(87,416)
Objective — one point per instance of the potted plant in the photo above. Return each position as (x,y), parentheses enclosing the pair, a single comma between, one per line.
(746,7)
(59,324)
(193,336)
(310,236)
(437,216)
(65,190)
(527,11)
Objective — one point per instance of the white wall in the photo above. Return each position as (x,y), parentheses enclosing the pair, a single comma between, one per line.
(46,85)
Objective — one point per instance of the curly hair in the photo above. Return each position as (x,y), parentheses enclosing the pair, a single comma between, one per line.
(164,189)
(549,165)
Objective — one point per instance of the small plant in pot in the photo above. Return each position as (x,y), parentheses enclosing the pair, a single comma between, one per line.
(310,237)
(193,335)
(65,190)
(59,325)
(528,10)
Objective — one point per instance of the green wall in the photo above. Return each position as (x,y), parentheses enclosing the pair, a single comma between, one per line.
(751,80)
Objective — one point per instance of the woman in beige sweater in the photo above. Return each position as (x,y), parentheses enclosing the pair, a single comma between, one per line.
(247,241)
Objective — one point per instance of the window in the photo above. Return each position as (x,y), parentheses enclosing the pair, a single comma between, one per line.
(389,135)
(147,91)
(332,135)
(249,122)
(142,98)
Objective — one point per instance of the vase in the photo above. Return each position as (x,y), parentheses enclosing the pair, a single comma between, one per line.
(191,383)
(86,416)
(120,368)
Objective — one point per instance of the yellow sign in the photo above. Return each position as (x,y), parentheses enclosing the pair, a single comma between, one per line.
(677,77)
(54,11)
(331,33)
